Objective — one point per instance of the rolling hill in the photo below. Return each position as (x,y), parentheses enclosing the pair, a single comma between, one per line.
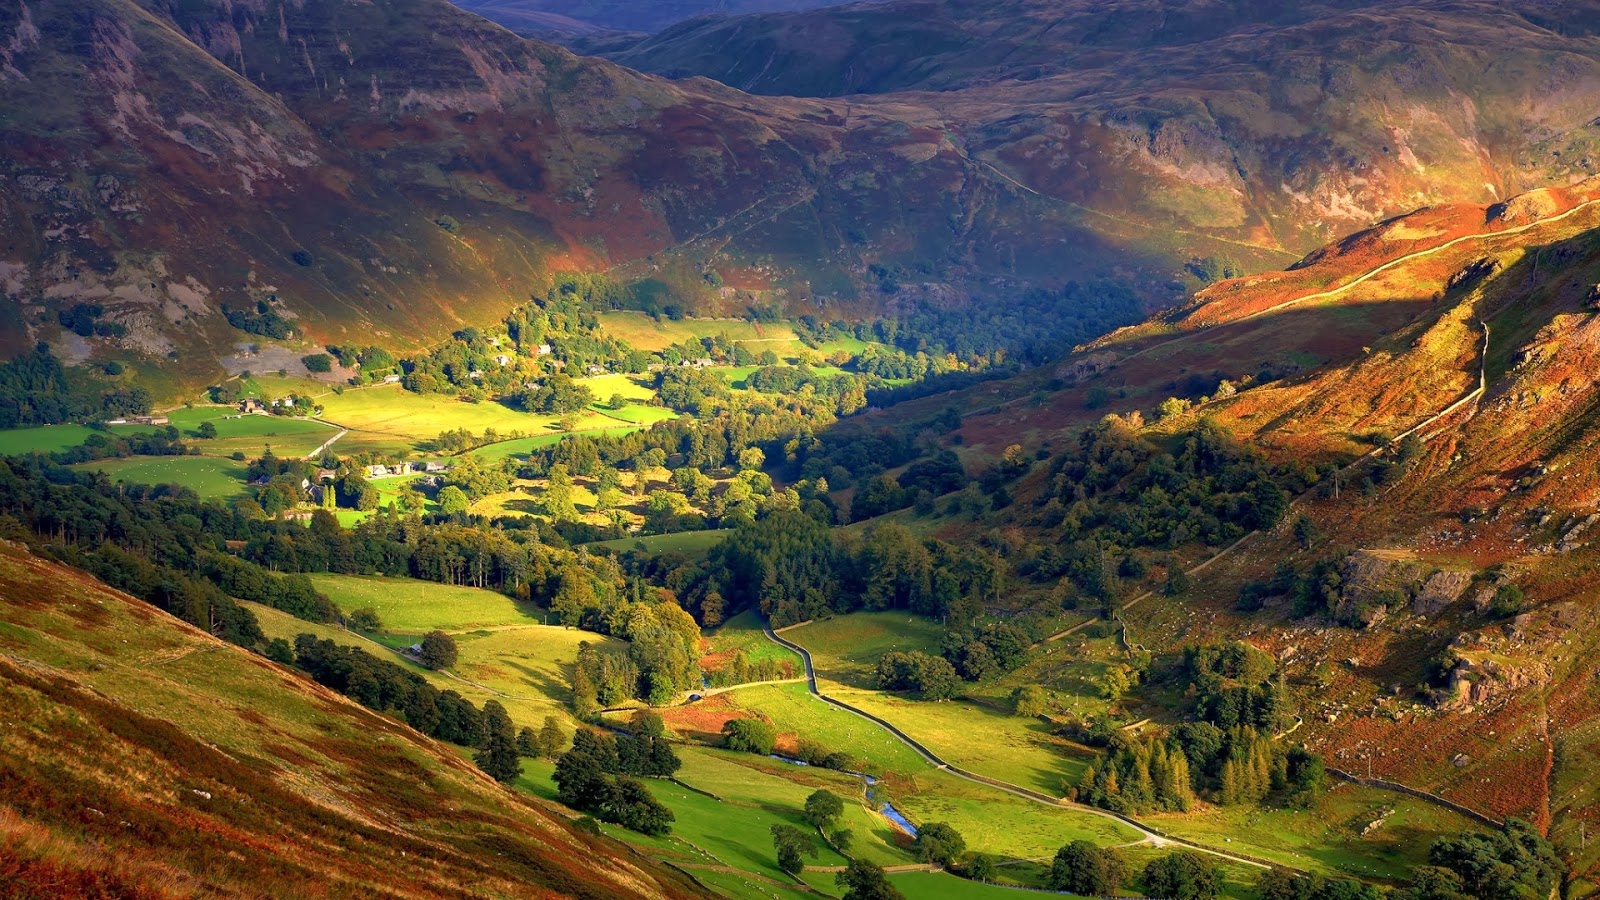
(144,758)
(553,19)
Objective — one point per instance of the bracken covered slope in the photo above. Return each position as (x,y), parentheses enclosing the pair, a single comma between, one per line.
(1475,329)
(140,757)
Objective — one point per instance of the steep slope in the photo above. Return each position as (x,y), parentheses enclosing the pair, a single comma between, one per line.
(394,171)
(1273,125)
(140,757)
(1438,620)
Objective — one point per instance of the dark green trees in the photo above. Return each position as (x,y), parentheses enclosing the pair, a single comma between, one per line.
(1082,868)
(499,757)
(749,736)
(1184,875)
(438,650)
(823,807)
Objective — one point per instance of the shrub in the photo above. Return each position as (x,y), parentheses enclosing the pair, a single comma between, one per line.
(438,650)
(317,362)
(748,736)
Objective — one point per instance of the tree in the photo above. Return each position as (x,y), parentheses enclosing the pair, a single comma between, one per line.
(317,362)
(751,459)
(938,843)
(365,619)
(207,430)
(863,880)
(279,651)
(823,807)
(749,736)
(1030,700)
(550,738)
(1082,868)
(1184,875)
(793,846)
(453,500)
(1306,532)
(558,492)
(980,868)
(499,754)
(438,650)
(528,742)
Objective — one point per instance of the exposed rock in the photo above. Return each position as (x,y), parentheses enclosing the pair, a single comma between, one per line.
(1086,366)
(1442,588)
(1474,273)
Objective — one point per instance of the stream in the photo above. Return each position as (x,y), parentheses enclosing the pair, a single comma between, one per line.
(886,809)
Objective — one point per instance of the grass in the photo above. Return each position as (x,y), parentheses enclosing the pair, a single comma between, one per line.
(607,386)
(745,632)
(846,648)
(209,477)
(43,439)
(795,713)
(944,886)
(532,663)
(692,543)
(410,606)
(645,333)
(391,411)
(999,823)
(638,414)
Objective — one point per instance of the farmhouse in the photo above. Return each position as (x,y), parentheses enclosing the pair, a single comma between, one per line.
(251,405)
(391,379)
(151,420)
(502,359)
(544,349)
(435,467)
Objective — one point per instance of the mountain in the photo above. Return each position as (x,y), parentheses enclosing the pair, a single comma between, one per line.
(1276,126)
(1433,379)
(545,18)
(396,171)
(144,758)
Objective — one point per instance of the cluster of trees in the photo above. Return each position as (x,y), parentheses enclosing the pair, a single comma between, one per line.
(388,687)
(36,389)
(1117,491)
(1280,885)
(791,566)
(1167,772)
(663,649)
(599,775)
(557,394)
(929,677)
(1510,864)
(83,319)
(1234,685)
(993,649)
(162,442)
(261,318)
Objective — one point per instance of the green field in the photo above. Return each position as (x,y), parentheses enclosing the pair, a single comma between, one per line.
(525,709)
(944,886)
(693,543)
(645,333)
(409,606)
(211,478)
(845,649)
(605,386)
(287,436)
(393,412)
(793,711)
(638,413)
(745,632)
(43,439)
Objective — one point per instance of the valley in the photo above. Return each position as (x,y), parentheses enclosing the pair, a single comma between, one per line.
(887,450)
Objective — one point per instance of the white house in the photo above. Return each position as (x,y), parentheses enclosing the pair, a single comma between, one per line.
(502,359)
(545,349)
(391,379)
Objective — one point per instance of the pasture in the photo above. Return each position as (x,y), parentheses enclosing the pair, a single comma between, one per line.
(744,632)
(796,714)
(645,333)
(209,477)
(409,606)
(42,439)
(846,649)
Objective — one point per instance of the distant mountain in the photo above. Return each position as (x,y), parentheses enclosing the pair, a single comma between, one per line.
(395,171)
(561,18)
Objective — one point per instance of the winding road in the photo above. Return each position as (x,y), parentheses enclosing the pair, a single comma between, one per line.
(1148,835)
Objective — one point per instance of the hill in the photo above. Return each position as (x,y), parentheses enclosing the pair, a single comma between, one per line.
(331,173)
(1276,126)
(143,758)
(1430,592)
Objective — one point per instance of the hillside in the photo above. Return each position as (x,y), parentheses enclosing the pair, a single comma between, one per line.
(1275,126)
(335,172)
(1433,377)
(144,758)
